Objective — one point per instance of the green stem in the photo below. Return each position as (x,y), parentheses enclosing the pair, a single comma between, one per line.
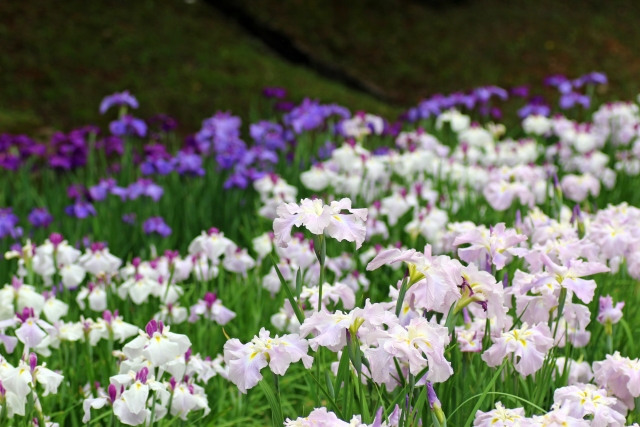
(563,298)
(401,294)
(153,408)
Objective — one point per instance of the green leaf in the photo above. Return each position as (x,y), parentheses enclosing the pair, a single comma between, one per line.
(401,294)
(327,379)
(451,319)
(483,395)
(336,409)
(627,331)
(298,283)
(343,371)
(276,410)
(287,290)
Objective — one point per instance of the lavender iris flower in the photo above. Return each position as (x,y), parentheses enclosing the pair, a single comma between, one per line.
(592,78)
(571,99)
(129,218)
(40,218)
(188,163)
(111,145)
(310,115)
(144,187)
(76,191)
(536,105)
(156,224)
(128,125)
(80,209)
(122,98)
(68,151)
(268,134)
(9,224)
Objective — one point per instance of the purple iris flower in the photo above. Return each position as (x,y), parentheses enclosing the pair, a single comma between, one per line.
(111,145)
(555,80)
(496,113)
(269,134)
(144,187)
(593,78)
(156,224)
(559,81)
(40,218)
(156,166)
(80,209)
(274,92)
(128,125)
(430,107)
(237,179)
(76,191)
(9,224)
(122,98)
(9,161)
(336,110)
(100,191)
(536,105)
(223,125)
(158,160)
(122,192)
(229,152)
(68,151)
(571,99)
(188,163)
(484,94)
(307,116)
(129,218)
(257,154)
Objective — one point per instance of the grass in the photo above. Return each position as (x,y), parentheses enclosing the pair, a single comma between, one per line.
(188,60)
(411,50)
(60,59)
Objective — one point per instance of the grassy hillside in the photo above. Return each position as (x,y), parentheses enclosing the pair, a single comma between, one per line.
(60,58)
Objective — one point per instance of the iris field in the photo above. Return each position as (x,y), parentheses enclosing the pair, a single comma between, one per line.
(322,267)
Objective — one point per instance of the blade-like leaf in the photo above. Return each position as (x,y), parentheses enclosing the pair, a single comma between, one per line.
(287,291)
(276,410)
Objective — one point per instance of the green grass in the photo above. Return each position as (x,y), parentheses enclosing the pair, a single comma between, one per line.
(411,51)
(59,59)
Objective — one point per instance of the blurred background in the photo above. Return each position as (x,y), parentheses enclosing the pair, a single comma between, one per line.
(190,59)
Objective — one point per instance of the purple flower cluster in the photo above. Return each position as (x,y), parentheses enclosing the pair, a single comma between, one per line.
(40,218)
(111,144)
(480,98)
(220,135)
(270,135)
(81,207)
(142,187)
(118,99)
(69,151)
(535,106)
(15,149)
(311,115)
(156,224)
(569,94)
(128,125)
(9,224)
(159,161)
